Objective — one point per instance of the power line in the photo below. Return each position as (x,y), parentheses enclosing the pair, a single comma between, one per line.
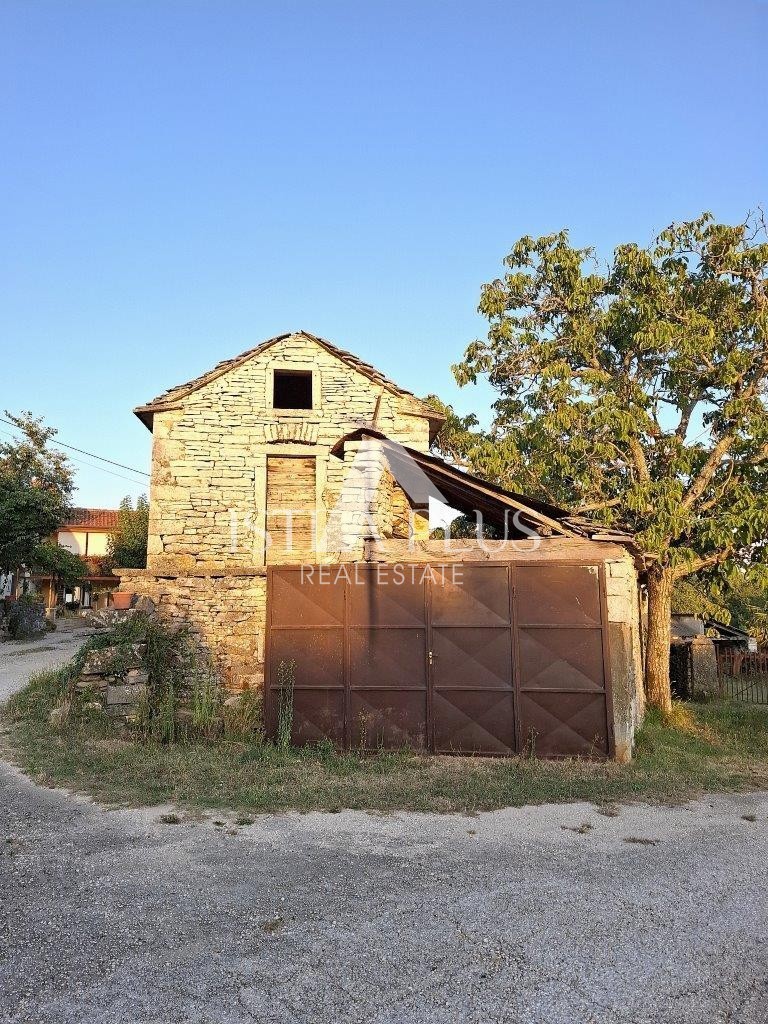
(111,472)
(82,462)
(91,455)
(90,465)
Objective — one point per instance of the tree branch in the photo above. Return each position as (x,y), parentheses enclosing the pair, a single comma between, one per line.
(685,418)
(722,447)
(707,471)
(638,456)
(707,505)
(596,506)
(688,568)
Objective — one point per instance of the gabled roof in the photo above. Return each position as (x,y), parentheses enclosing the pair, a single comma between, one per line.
(726,630)
(92,519)
(170,399)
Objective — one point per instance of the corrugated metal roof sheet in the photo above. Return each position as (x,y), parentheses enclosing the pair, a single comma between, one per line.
(463,490)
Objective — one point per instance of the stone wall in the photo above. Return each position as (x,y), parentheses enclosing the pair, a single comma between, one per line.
(226,614)
(370,504)
(227,611)
(209,454)
(626,650)
(693,667)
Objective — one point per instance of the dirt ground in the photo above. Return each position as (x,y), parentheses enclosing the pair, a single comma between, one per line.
(547,914)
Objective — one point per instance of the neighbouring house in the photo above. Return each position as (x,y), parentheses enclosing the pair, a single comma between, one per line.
(700,645)
(86,533)
(724,636)
(289,527)
(730,638)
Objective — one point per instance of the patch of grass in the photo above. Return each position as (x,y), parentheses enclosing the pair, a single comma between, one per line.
(245,720)
(609,811)
(272,926)
(206,703)
(285,682)
(707,748)
(44,691)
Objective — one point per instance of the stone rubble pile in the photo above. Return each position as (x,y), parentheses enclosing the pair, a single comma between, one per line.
(116,677)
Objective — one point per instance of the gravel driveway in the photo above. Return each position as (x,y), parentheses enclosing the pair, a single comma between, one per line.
(518,915)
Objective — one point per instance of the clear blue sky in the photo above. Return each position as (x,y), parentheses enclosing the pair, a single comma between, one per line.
(179,181)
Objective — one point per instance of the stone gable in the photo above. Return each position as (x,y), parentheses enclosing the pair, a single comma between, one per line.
(210,451)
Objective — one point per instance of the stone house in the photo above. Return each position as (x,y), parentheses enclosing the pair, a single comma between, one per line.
(288,481)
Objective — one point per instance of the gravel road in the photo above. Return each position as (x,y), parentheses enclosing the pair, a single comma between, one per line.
(18,661)
(517,915)
(509,916)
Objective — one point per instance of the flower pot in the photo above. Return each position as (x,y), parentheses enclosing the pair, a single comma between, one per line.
(121,599)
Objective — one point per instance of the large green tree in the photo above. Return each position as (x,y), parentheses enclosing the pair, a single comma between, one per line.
(635,392)
(35,488)
(128,546)
(745,596)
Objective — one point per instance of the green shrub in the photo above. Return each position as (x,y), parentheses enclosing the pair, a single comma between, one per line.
(170,658)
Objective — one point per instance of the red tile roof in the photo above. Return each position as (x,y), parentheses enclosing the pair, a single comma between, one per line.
(92,519)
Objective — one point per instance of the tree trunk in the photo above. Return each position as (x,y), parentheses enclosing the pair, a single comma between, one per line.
(657,688)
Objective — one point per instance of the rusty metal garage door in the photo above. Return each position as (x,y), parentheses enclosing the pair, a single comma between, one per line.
(486,658)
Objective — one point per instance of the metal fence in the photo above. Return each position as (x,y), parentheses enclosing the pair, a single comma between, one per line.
(743,675)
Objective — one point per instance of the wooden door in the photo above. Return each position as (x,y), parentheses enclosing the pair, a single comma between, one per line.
(291,504)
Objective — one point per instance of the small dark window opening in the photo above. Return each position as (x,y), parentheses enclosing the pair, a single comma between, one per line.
(293,389)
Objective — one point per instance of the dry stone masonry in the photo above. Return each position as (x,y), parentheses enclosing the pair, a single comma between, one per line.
(215,442)
(116,677)
(207,560)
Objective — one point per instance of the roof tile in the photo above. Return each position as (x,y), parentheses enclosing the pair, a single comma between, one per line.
(93,518)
